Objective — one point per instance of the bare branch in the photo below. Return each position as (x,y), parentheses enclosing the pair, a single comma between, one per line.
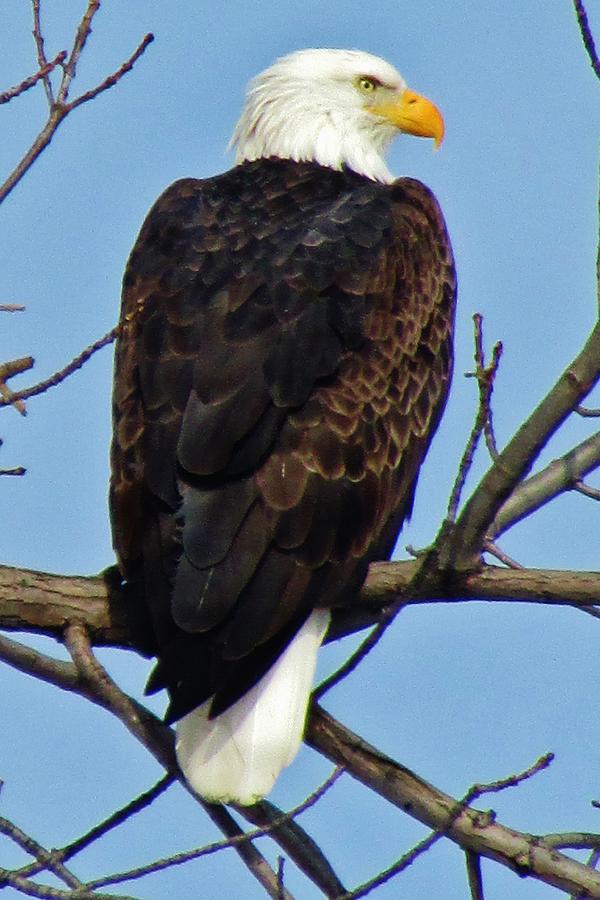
(462,549)
(559,476)
(18,470)
(56,116)
(299,846)
(117,818)
(40,50)
(9,370)
(25,886)
(83,32)
(111,80)
(159,740)
(592,862)
(586,34)
(586,412)
(483,421)
(62,374)
(486,375)
(11,93)
(180,858)
(47,860)
(576,840)
(474,876)
(494,787)
(12,307)
(472,829)
(491,547)
(41,603)
(32,662)
(122,815)
(381,772)
(586,490)
(460,806)
(60,108)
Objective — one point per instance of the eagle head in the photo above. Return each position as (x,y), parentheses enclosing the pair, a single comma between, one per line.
(333,107)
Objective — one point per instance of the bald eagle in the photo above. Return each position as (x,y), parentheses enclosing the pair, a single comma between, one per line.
(283,361)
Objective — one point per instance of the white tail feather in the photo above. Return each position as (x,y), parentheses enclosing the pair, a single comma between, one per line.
(236,757)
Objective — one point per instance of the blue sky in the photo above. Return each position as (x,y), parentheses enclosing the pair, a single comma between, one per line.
(459,693)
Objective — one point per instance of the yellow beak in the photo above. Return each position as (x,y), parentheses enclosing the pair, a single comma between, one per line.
(413,114)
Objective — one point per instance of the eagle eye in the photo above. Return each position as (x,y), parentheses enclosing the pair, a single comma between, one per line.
(367,85)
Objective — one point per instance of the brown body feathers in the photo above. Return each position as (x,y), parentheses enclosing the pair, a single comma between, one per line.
(284,360)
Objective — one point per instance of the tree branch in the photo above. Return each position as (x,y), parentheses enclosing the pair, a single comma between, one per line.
(586,34)
(60,108)
(55,379)
(87,678)
(461,549)
(44,71)
(559,476)
(40,50)
(473,830)
(40,603)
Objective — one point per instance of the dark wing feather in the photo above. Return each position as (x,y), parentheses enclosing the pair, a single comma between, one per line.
(283,364)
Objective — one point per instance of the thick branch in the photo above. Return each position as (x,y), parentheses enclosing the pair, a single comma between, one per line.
(473,830)
(40,603)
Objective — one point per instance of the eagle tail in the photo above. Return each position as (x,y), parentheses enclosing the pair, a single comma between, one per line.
(237,756)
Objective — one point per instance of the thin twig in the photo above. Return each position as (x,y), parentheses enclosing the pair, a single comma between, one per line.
(60,376)
(40,143)
(25,886)
(587,412)
(483,424)
(11,93)
(159,740)
(300,847)
(11,307)
(117,818)
(111,80)
(474,792)
(43,856)
(582,488)
(490,547)
(60,108)
(587,36)
(9,370)
(81,36)
(180,858)
(40,51)
(114,821)
(486,376)
(462,550)
(359,654)
(494,787)
(280,876)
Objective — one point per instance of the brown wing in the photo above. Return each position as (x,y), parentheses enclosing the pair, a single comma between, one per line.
(284,361)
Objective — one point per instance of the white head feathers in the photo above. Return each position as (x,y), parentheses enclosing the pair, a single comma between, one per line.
(315,105)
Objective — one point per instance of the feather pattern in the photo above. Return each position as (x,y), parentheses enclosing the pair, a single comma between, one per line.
(238,755)
(283,362)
